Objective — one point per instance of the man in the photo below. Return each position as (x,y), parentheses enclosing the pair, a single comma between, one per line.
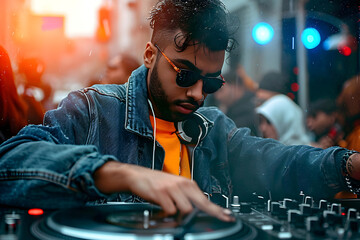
(321,120)
(100,141)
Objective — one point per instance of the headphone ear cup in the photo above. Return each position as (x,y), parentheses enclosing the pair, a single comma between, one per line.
(191,128)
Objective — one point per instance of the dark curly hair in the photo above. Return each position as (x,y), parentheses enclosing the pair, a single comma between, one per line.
(203,22)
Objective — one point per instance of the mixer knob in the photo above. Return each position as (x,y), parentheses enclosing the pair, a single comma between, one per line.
(314,225)
(351,213)
(311,223)
(323,205)
(245,207)
(235,201)
(235,205)
(290,204)
(301,197)
(278,210)
(146,219)
(336,208)
(332,218)
(295,217)
(309,201)
(275,206)
(260,201)
(305,209)
(11,222)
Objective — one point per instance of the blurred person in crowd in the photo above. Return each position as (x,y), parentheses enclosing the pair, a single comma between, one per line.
(237,99)
(119,69)
(271,84)
(37,94)
(13,109)
(349,105)
(32,69)
(282,119)
(321,120)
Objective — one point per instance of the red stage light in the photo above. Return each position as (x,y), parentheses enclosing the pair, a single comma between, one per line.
(295,87)
(345,50)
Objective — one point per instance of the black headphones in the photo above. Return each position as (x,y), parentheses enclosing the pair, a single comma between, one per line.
(192,130)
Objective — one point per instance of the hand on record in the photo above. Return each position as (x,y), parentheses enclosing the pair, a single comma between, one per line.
(172,193)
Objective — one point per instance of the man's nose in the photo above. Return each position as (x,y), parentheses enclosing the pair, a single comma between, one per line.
(196,91)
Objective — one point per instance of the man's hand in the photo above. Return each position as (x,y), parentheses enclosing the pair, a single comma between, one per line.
(171,192)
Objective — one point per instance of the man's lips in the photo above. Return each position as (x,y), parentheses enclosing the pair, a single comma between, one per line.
(186,108)
(189,106)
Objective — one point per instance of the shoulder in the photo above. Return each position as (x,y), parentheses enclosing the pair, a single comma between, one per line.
(106,90)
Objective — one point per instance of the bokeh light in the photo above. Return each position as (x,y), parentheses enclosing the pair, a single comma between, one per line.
(310,38)
(262,33)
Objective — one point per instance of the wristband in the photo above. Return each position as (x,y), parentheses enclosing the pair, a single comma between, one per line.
(352,184)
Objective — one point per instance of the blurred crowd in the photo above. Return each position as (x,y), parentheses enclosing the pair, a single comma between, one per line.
(25,96)
(267,111)
(263,106)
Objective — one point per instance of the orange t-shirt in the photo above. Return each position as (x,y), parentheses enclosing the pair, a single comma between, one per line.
(176,155)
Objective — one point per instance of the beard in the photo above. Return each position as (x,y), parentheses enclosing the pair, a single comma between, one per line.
(161,103)
(158,96)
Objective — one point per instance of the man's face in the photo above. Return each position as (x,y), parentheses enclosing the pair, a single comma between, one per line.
(174,103)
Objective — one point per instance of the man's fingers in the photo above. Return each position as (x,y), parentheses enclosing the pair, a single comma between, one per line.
(166,203)
(181,200)
(174,193)
(197,197)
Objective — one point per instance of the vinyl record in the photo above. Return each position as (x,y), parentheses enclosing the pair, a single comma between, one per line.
(131,221)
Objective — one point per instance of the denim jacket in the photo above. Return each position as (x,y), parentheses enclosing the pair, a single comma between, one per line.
(51,165)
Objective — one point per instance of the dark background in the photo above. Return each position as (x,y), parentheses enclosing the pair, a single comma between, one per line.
(327,69)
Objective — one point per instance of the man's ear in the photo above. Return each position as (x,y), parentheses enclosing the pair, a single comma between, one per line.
(149,55)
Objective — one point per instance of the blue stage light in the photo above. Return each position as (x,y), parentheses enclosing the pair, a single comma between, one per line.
(262,33)
(310,38)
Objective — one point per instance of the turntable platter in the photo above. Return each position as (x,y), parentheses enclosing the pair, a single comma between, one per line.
(130,221)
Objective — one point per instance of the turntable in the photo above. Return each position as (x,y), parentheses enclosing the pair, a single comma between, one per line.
(135,221)
(299,218)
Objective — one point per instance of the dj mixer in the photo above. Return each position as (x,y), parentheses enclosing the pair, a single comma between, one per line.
(301,218)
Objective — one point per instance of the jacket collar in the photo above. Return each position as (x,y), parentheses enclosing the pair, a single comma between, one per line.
(137,108)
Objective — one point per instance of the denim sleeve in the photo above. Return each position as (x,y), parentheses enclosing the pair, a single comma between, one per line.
(72,117)
(271,168)
(41,166)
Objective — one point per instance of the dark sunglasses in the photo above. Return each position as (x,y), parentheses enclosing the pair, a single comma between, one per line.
(187,78)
